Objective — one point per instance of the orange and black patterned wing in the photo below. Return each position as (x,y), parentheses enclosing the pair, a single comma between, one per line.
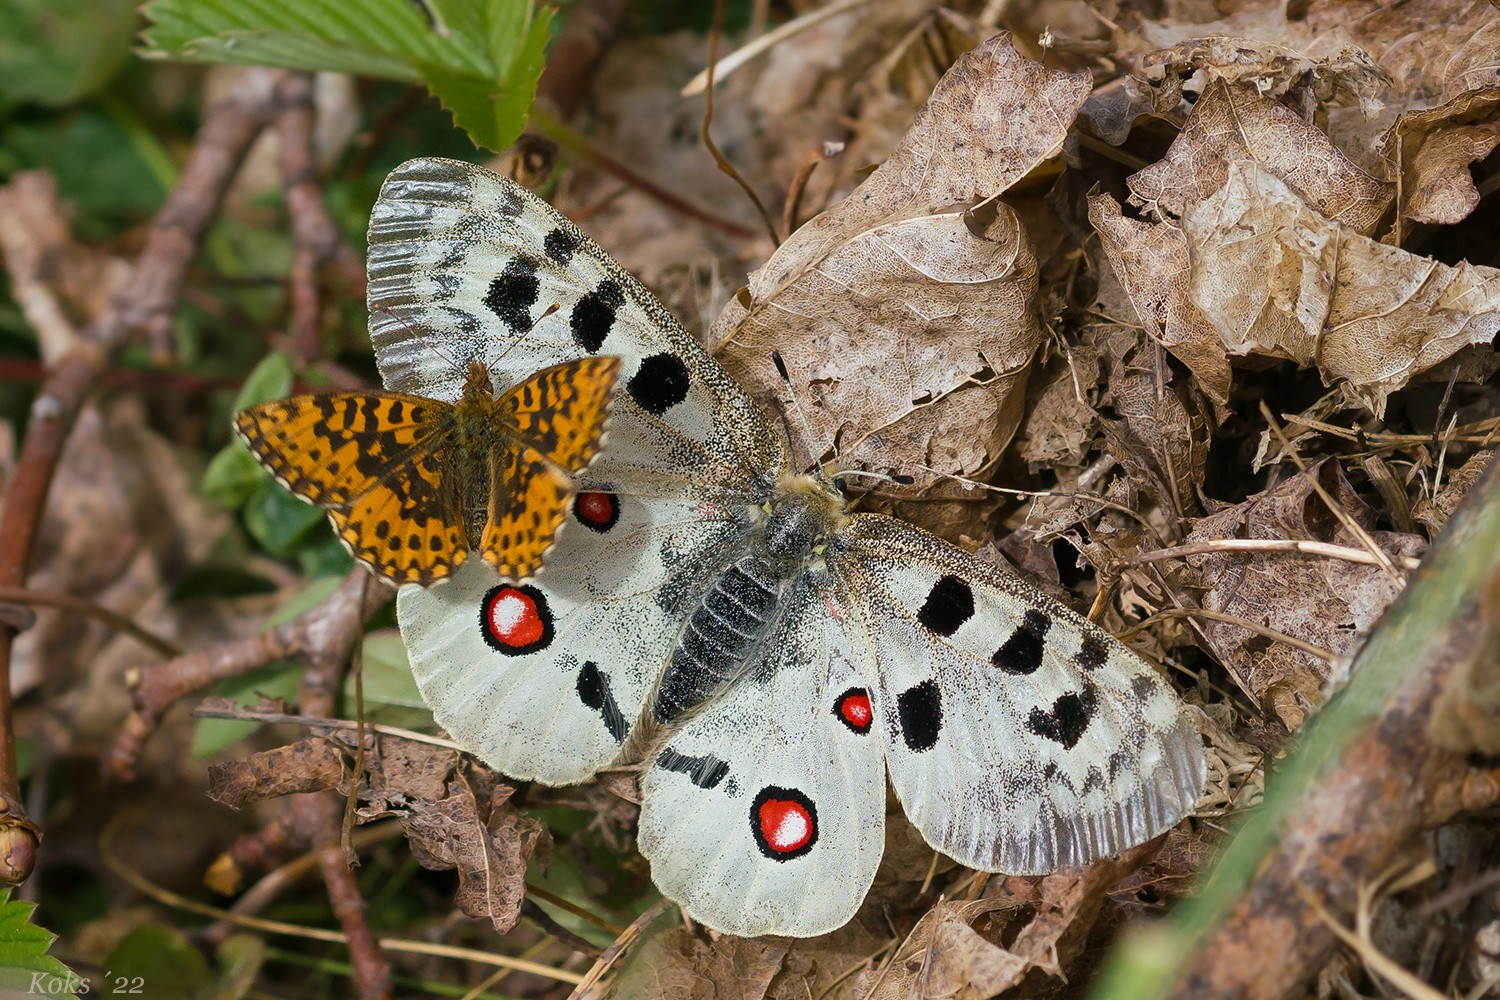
(528,502)
(562,412)
(381,464)
(329,447)
(407,527)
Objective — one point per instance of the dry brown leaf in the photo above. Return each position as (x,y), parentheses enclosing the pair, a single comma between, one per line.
(485,838)
(1435,148)
(1234,122)
(1435,511)
(1330,603)
(904,315)
(1282,57)
(1060,423)
(1276,278)
(457,814)
(311,765)
(944,957)
(675,964)
(1151,261)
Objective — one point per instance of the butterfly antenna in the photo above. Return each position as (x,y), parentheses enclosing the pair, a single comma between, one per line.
(792,395)
(418,336)
(554,307)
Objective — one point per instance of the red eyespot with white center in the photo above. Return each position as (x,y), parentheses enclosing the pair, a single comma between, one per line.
(515,620)
(784,823)
(852,708)
(597,511)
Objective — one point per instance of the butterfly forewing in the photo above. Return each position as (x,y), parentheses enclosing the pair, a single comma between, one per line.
(329,448)
(562,412)
(455,250)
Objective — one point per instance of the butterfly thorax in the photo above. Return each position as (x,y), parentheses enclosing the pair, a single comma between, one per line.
(476,419)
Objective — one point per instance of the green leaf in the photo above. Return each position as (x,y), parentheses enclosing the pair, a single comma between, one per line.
(24,962)
(161,962)
(270,379)
(275,680)
(481,58)
(57,51)
(278,520)
(233,476)
(388,679)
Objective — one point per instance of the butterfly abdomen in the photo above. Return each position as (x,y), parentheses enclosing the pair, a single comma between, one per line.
(720,634)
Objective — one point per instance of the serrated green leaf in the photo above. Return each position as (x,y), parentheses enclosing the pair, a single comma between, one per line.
(24,961)
(481,58)
(161,962)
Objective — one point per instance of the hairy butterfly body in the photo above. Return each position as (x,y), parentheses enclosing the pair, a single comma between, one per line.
(722,619)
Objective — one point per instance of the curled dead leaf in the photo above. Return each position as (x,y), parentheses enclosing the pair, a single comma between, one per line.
(1435,148)
(1235,122)
(1277,278)
(903,313)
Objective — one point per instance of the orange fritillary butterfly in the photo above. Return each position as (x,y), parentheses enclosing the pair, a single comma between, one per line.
(413,484)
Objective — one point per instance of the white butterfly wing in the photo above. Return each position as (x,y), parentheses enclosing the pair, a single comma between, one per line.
(464,264)
(1019,737)
(764,813)
(544,681)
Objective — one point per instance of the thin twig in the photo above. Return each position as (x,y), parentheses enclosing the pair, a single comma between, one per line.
(612,954)
(1228,619)
(544,124)
(89,609)
(1380,963)
(314,722)
(146,303)
(770,39)
(169,898)
(794,191)
(708,116)
(1305,547)
(577,911)
(1337,511)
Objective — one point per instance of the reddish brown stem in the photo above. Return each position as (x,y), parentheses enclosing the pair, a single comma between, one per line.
(315,237)
(324,631)
(145,303)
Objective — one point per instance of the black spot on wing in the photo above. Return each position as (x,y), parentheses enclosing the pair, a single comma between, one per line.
(705,772)
(1066,723)
(921,710)
(949,604)
(660,383)
(593,691)
(560,245)
(594,314)
(514,292)
(1022,653)
(1093,653)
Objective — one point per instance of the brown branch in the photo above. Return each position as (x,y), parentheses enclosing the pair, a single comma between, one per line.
(315,237)
(79,606)
(305,637)
(146,302)
(320,817)
(720,160)
(588,31)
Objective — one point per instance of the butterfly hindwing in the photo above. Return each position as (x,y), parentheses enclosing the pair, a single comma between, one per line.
(460,256)
(765,812)
(407,527)
(1019,737)
(544,681)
